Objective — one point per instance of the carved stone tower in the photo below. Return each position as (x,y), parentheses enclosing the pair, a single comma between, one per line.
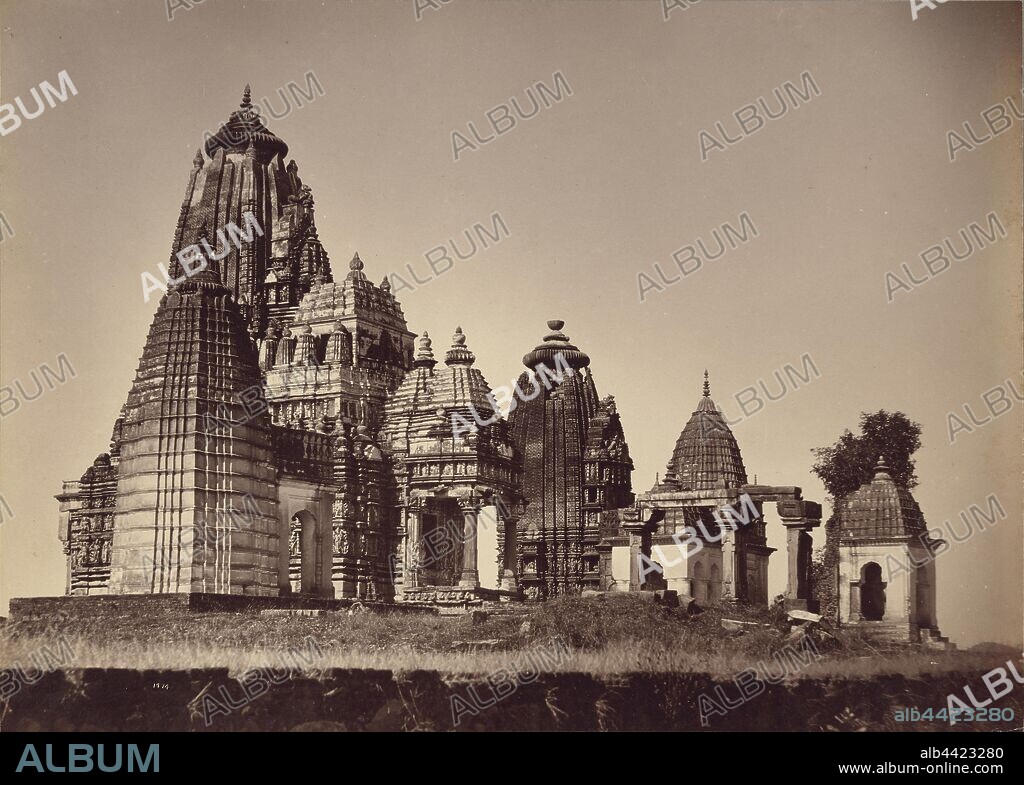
(576,468)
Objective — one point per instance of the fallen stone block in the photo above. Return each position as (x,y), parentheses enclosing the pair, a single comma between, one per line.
(802,616)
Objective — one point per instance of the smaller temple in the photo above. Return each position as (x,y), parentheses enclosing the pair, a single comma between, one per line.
(705,503)
(445,478)
(886,563)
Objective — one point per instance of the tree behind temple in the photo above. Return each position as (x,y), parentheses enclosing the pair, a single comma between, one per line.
(847,465)
(850,462)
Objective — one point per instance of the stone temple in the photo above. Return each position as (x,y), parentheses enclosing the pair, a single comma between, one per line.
(288,436)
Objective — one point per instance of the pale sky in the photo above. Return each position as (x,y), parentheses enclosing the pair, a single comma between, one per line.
(594,189)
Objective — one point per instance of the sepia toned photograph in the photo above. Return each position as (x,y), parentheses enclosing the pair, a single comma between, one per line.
(564,366)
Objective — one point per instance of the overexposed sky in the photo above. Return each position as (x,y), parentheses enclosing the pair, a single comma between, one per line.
(593,190)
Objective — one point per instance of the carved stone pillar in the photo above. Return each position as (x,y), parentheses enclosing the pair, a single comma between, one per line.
(729,587)
(470,578)
(413,544)
(508,526)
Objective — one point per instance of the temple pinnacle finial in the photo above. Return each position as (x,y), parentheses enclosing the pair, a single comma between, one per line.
(707,385)
(356,263)
(556,343)
(459,354)
(882,468)
(424,355)
(246,98)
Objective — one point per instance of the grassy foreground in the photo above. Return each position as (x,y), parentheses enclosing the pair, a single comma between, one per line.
(608,634)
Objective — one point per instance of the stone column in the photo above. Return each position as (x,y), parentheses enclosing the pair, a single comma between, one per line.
(799,517)
(325,530)
(413,537)
(631,523)
(508,527)
(729,587)
(795,581)
(470,578)
(798,562)
(855,614)
(284,552)
(635,549)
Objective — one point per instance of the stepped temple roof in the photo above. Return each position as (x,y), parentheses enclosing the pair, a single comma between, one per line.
(421,408)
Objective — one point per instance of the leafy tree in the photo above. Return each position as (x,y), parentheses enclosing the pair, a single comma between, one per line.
(850,462)
(847,465)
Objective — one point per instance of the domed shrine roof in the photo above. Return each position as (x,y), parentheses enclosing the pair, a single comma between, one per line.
(880,508)
(706,455)
(421,408)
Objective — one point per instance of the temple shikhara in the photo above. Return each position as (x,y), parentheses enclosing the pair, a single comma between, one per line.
(288,436)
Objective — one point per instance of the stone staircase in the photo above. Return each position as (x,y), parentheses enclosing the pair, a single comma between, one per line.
(931,638)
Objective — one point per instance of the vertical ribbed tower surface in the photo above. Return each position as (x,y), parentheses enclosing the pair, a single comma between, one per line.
(196,499)
(561,525)
(706,455)
(244,174)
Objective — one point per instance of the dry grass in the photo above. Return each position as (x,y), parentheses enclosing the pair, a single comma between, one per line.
(608,635)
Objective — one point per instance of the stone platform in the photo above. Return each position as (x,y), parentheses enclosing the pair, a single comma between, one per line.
(450,600)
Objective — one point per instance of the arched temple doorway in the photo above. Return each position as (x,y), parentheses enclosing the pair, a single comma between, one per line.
(872,592)
(699,586)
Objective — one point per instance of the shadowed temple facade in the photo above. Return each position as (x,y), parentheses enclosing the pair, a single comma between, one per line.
(288,435)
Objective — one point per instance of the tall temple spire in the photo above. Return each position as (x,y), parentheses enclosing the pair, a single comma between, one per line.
(576,468)
(197,360)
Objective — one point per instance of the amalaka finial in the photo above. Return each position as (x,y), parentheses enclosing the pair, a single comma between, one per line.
(707,385)
(246,98)
(882,468)
(424,355)
(458,354)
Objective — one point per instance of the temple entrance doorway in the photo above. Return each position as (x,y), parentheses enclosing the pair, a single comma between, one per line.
(872,592)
